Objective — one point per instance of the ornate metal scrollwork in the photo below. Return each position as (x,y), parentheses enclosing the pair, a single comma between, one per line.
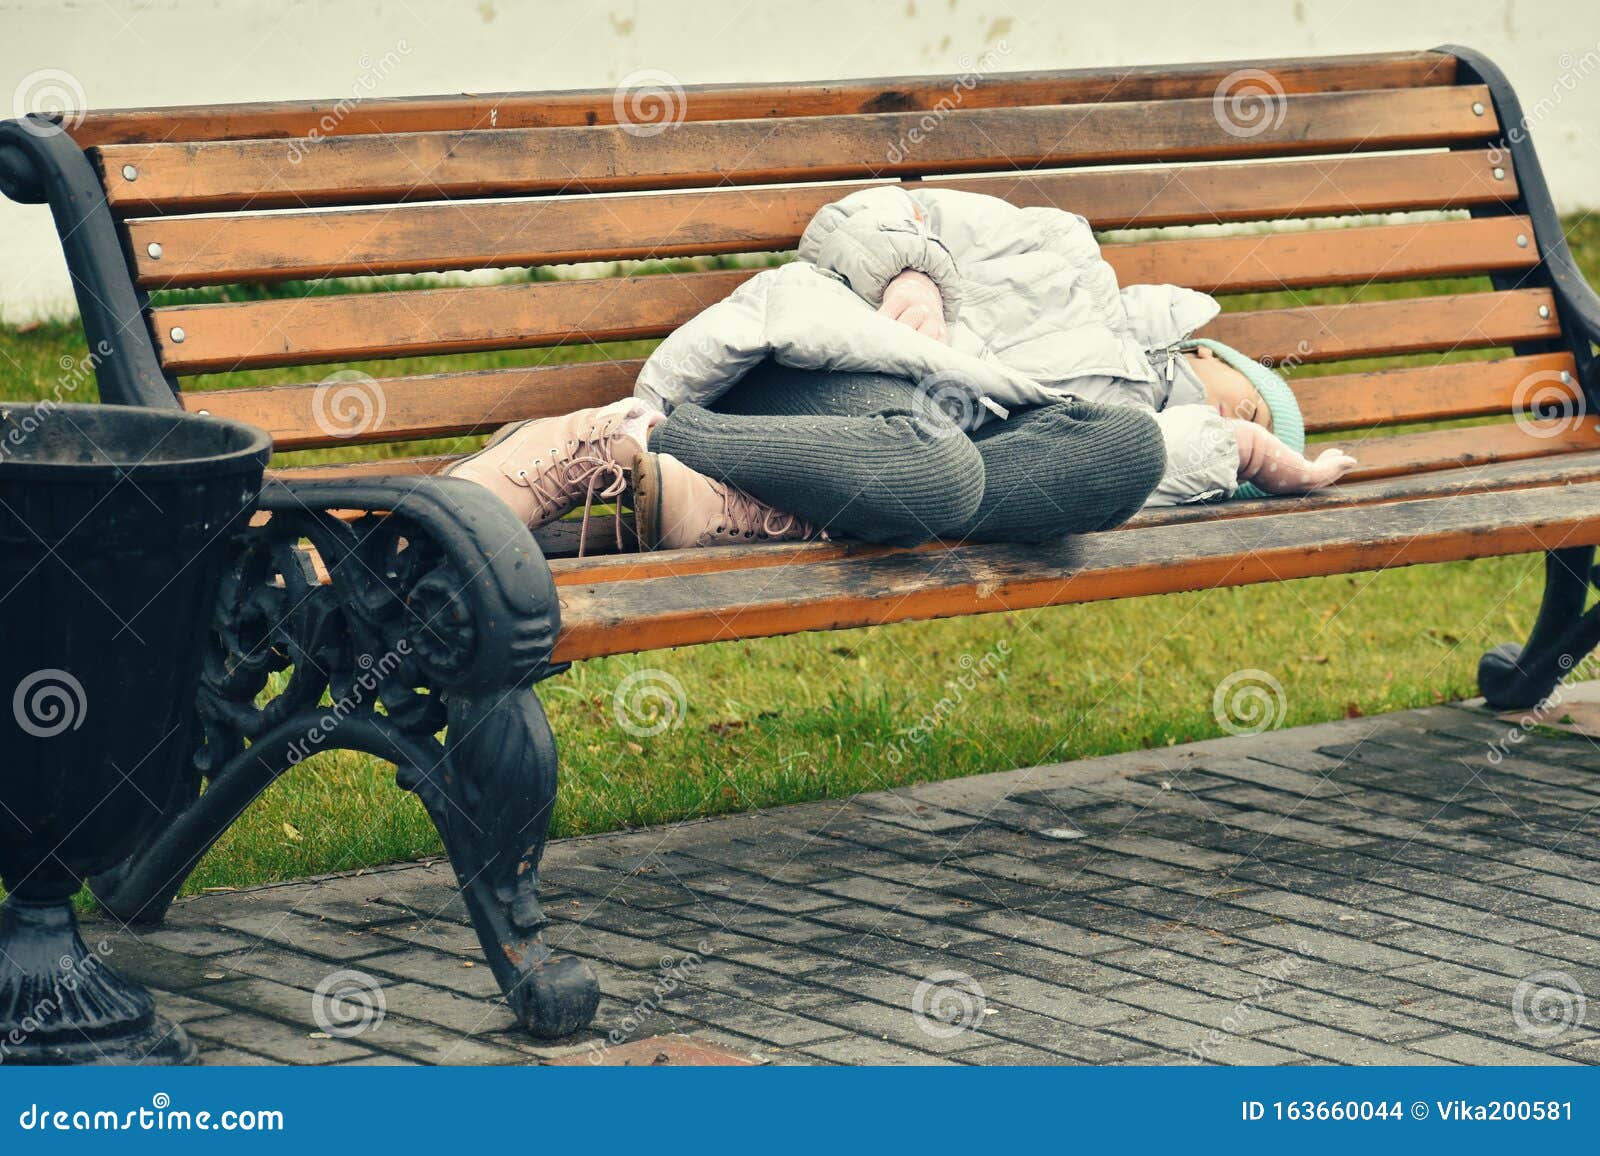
(382,613)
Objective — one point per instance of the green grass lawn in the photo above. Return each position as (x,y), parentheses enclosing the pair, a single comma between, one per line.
(826,715)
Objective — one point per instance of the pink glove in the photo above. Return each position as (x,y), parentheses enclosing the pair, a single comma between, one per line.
(913,299)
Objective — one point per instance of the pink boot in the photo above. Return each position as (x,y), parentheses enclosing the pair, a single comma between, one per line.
(544,468)
(675,507)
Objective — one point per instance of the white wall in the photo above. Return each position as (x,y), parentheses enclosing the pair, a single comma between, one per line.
(148,52)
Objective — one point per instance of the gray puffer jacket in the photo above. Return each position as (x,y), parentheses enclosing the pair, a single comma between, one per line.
(1033,310)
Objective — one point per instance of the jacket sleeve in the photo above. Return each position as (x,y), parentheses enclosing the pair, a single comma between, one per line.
(702,358)
(872,236)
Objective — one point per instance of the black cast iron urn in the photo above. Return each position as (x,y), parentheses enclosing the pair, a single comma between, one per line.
(114,525)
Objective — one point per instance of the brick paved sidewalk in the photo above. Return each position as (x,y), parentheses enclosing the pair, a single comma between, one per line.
(1402,889)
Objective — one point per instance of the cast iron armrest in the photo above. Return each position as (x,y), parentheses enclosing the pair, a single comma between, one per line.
(1576,301)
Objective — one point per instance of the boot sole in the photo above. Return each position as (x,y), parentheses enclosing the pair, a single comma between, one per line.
(646,471)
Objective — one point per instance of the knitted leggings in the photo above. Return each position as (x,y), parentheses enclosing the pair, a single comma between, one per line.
(866,456)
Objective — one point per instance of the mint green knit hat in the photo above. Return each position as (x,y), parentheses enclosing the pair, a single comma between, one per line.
(1287,424)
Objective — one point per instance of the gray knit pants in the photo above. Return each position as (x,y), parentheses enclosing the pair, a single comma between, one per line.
(864,456)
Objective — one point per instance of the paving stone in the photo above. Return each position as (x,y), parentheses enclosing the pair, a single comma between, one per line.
(1365,891)
(1465,1049)
(196,941)
(863,1050)
(258,1035)
(1345,1047)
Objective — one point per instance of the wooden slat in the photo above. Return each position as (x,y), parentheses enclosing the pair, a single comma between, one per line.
(1376,457)
(633,567)
(1294,260)
(1434,392)
(315,330)
(435,166)
(1375,328)
(622,617)
(450,404)
(207,250)
(736,101)
(311,330)
(424,405)
(1382,457)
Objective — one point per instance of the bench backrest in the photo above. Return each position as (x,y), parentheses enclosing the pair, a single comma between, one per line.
(261,193)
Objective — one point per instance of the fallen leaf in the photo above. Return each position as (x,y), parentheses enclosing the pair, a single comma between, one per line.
(290,830)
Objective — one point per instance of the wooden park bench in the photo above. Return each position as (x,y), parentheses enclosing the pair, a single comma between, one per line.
(378,582)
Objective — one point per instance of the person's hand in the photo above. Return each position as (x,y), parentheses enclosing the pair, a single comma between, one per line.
(913,299)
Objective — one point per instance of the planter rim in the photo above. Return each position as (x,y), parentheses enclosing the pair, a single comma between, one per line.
(252,442)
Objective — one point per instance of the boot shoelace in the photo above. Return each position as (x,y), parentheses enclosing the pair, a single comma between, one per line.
(593,469)
(740,509)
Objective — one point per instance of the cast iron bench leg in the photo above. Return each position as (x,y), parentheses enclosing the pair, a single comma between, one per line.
(441,611)
(1513,676)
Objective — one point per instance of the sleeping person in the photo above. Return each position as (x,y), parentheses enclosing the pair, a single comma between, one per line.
(936,364)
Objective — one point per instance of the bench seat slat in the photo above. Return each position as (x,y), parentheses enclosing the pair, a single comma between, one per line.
(1377,457)
(433,166)
(417,238)
(632,567)
(299,119)
(319,330)
(449,404)
(624,617)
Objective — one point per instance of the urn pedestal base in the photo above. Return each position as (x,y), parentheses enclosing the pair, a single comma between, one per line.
(61,1003)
